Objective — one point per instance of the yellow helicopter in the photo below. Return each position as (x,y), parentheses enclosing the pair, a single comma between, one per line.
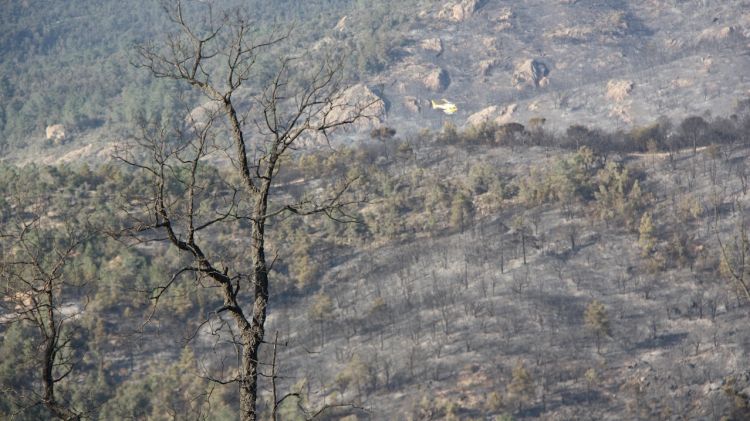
(445,105)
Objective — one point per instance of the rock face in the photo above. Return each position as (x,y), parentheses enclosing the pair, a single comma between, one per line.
(618,90)
(202,114)
(482,116)
(717,33)
(461,11)
(530,72)
(56,133)
(432,44)
(506,114)
(359,97)
(437,80)
(492,113)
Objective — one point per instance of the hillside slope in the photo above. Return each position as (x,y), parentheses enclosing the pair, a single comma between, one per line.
(602,64)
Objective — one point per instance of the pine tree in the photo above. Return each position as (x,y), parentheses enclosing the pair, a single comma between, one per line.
(646,240)
(597,321)
(461,211)
(521,387)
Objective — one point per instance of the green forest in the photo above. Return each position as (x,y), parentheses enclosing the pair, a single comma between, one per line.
(73,64)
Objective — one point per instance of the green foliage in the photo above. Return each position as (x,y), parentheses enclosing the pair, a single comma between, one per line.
(483,178)
(591,376)
(689,208)
(597,321)
(619,196)
(651,138)
(71,63)
(482,133)
(680,249)
(387,221)
(564,180)
(449,133)
(462,210)
(646,239)
(494,402)
(165,393)
(19,359)
(521,387)
(303,266)
(321,308)
(739,400)
(357,374)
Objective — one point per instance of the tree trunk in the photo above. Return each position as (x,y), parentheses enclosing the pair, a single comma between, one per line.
(252,335)
(249,380)
(51,337)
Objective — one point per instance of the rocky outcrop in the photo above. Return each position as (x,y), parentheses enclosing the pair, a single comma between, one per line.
(495,114)
(202,115)
(482,116)
(530,72)
(506,114)
(717,33)
(437,80)
(618,90)
(359,98)
(459,12)
(433,45)
(56,133)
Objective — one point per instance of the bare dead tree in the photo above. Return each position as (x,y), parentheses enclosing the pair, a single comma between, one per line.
(304,100)
(37,254)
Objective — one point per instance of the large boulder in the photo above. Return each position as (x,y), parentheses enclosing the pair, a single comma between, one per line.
(530,72)
(506,114)
(437,80)
(482,116)
(201,115)
(359,98)
(494,114)
(56,133)
(618,90)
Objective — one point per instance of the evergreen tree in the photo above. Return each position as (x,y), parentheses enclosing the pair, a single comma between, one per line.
(596,320)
